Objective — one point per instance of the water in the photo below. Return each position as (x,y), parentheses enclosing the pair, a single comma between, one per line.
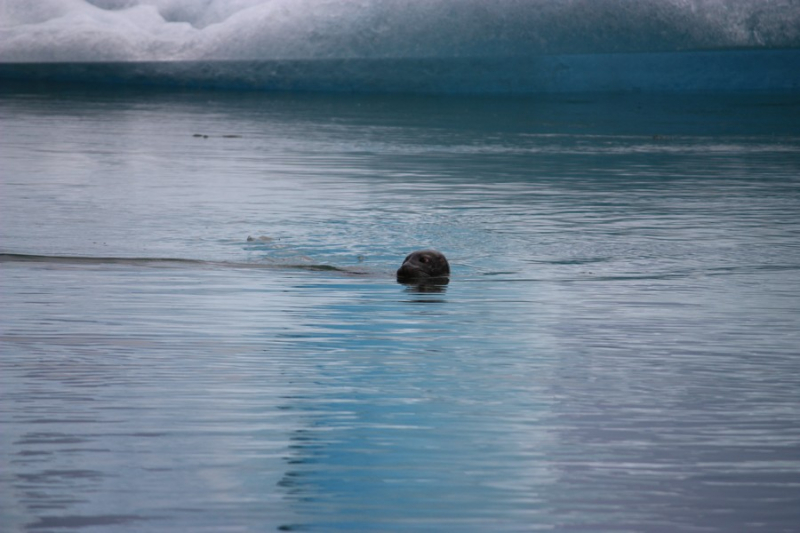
(617,349)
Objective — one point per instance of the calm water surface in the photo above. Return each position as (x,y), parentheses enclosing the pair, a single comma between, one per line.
(618,349)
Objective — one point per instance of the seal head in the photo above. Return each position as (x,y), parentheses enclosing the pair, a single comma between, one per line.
(424,266)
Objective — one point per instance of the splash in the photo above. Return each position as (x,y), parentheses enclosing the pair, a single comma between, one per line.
(199,30)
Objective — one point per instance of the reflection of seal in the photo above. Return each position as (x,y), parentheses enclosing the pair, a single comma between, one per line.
(424,266)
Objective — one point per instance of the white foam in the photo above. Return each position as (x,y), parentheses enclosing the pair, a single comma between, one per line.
(169,30)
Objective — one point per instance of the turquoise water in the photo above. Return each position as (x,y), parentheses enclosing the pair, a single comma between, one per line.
(708,71)
(617,349)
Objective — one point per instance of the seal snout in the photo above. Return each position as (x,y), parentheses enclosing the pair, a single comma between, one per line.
(423,265)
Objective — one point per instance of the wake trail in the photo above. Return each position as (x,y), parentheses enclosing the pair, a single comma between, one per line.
(160,262)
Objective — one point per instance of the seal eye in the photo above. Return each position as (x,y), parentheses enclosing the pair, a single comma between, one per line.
(424,259)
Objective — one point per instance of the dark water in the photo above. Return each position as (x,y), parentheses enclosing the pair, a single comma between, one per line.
(617,349)
(709,71)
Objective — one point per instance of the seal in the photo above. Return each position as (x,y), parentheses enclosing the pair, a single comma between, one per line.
(424,266)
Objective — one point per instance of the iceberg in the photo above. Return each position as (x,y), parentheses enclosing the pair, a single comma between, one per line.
(451,46)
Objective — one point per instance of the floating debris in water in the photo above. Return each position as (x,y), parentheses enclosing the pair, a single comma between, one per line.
(260,238)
